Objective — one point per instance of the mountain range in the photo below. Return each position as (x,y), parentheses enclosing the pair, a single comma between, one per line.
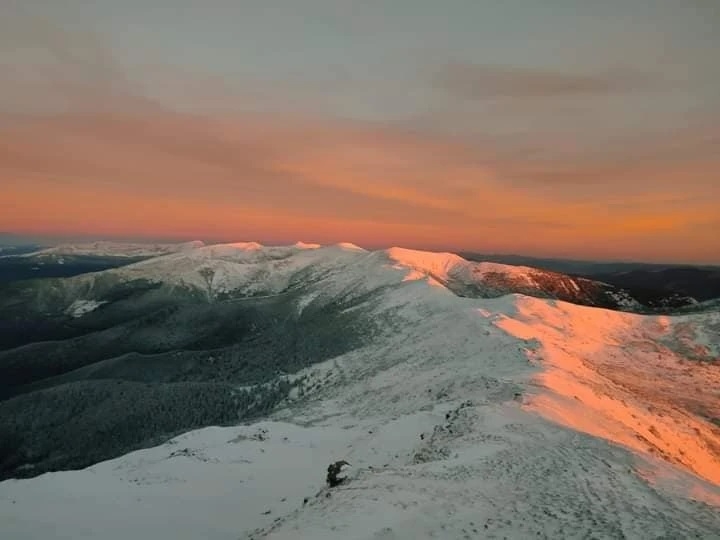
(205,389)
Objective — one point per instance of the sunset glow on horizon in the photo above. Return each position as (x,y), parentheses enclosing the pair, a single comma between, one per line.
(570,130)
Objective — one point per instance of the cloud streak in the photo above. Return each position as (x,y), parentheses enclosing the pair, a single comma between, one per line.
(477,81)
(48,67)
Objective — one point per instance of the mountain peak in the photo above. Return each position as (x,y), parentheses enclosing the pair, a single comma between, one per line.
(245,246)
(438,264)
(305,245)
(349,246)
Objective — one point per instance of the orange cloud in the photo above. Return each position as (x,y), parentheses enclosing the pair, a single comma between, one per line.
(281,178)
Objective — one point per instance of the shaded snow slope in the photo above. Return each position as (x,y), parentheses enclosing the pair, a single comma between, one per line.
(246,269)
(455,417)
(707,305)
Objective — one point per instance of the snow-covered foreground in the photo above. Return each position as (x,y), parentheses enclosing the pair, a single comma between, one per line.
(511,478)
(463,418)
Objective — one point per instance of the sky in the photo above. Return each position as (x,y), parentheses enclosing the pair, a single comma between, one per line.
(560,128)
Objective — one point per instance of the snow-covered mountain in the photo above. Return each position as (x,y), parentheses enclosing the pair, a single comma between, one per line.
(248,268)
(463,411)
(465,278)
(115,249)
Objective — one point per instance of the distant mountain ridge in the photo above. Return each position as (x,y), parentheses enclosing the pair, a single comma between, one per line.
(578,266)
(67,260)
(703,284)
(656,286)
(115,249)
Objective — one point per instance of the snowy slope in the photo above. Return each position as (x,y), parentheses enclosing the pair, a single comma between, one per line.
(649,383)
(462,417)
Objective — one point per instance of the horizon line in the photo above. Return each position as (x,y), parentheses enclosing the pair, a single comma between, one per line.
(50,240)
